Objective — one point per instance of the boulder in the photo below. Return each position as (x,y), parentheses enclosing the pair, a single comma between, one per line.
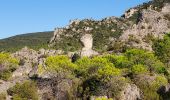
(87,41)
(131,92)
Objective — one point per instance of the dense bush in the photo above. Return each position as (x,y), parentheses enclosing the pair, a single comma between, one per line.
(103,98)
(59,63)
(146,58)
(107,74)
(7,65)
(139,69)
(162,49)
(149,85)
(24,91)
(97,66)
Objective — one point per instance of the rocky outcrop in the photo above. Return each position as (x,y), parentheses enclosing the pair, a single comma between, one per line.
(131,92)
(57,33)
(151,22)
(30,59)
(130,12)
(87,41)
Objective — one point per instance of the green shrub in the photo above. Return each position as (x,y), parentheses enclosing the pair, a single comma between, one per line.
(120,61)
(5,75)
(7,59)
(159,81)
(162,49)
(59,63)
(7,65)
(146,58)
(103,98)
(97,66)
(24,91)
(139,69)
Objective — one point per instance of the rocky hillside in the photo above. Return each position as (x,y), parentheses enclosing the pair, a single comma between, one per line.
(134,29)
(126,58)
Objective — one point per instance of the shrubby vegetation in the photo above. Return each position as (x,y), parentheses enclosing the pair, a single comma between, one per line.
(59,63)
(150,84)
(24,91)
(8,64)
(101,31)
(162,49)
(139,69)
(104,75)
(115,71)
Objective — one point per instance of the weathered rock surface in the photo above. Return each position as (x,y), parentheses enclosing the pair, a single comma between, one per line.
(151,22)
(131,92)
(87,41)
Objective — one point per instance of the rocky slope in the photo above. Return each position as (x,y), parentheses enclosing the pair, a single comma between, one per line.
(135,28)
(125,75)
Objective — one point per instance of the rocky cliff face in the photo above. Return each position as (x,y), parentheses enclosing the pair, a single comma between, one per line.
(135,28)
(151,22)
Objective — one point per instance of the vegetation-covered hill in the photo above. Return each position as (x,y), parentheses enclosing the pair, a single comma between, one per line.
(32,40)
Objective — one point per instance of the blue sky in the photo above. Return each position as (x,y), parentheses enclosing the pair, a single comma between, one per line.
(25,16)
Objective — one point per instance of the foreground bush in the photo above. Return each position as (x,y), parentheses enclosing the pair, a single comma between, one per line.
(24,91)
(162,49)
(98,66)
(146,58)
(7,65)
(107,75)
(59,63)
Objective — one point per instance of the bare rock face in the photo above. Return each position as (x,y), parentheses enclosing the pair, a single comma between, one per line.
(131,92)
(130,12)
(57,33)
(87,41)
(30,59)
(166,8)
(151,23)
(27,58)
